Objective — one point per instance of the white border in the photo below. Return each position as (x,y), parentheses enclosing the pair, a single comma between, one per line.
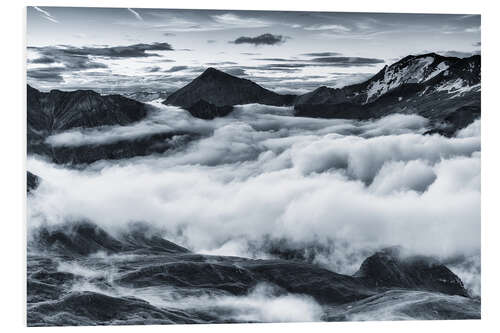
(13,132)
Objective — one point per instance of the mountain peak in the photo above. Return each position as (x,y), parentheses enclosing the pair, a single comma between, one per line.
(215,88)
(213,73)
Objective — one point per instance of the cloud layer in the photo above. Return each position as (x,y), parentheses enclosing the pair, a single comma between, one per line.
(260,175)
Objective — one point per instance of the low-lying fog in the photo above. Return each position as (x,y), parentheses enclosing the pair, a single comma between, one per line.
(341,188)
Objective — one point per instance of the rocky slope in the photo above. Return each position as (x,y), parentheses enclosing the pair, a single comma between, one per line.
(108,279)
(57,111)
(214,92)
(61,110)
(429,85)
(32,181)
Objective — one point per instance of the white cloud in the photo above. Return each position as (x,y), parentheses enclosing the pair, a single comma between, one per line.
(473,29)
(46,14)
(233,20)
(334,27)
(136,14)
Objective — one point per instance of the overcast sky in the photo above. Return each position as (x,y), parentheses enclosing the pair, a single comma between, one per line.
(121,49)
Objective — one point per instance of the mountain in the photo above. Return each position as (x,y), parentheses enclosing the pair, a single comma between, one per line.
(420,287)
(61,110)
(430,85)
(56,111)
(214,92)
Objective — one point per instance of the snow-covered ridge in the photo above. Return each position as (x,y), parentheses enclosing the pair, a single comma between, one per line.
(417,70)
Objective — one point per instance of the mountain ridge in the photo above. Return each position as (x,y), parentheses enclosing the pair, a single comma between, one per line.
(446,90)
(414,78)
(58,110)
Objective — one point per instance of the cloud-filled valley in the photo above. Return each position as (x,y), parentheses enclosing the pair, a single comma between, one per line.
(222,166)
(261,175)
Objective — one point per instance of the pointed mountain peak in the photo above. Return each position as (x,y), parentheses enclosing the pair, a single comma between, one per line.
(213,73)
(220,89)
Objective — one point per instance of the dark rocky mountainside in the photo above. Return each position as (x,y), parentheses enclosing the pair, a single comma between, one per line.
(218,92)
(187,273)
(56,111)
(32,181)
(429,85)
(126,148)
(61,110)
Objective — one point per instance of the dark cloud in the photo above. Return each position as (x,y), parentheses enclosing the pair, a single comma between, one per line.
(211,41)
(221,63)
(176,69)
(286,65)
(235,71)
(76,59)
(168,34)
(130,51)
(322,61)
(273,67)
(458,54)
(47,74)
(43,60)
(265,39)
(322,54)
(71,63)
(105,74)
(152,69)
(250,53)
(348,61)
(278,59)
(477,44)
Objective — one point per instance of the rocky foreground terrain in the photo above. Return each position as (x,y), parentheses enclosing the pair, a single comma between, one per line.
(83,275)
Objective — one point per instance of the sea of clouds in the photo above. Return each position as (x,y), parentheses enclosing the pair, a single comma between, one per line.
(260,175)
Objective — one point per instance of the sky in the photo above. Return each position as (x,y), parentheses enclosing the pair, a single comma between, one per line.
(161,50)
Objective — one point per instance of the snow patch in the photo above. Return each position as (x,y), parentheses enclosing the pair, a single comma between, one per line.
(443,66)
(395,77)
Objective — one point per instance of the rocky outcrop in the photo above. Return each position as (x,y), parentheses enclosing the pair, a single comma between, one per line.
(32,181)
(391,268)
(84,238)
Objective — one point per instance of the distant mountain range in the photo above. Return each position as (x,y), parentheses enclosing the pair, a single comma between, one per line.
(429,85)
(446,90)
